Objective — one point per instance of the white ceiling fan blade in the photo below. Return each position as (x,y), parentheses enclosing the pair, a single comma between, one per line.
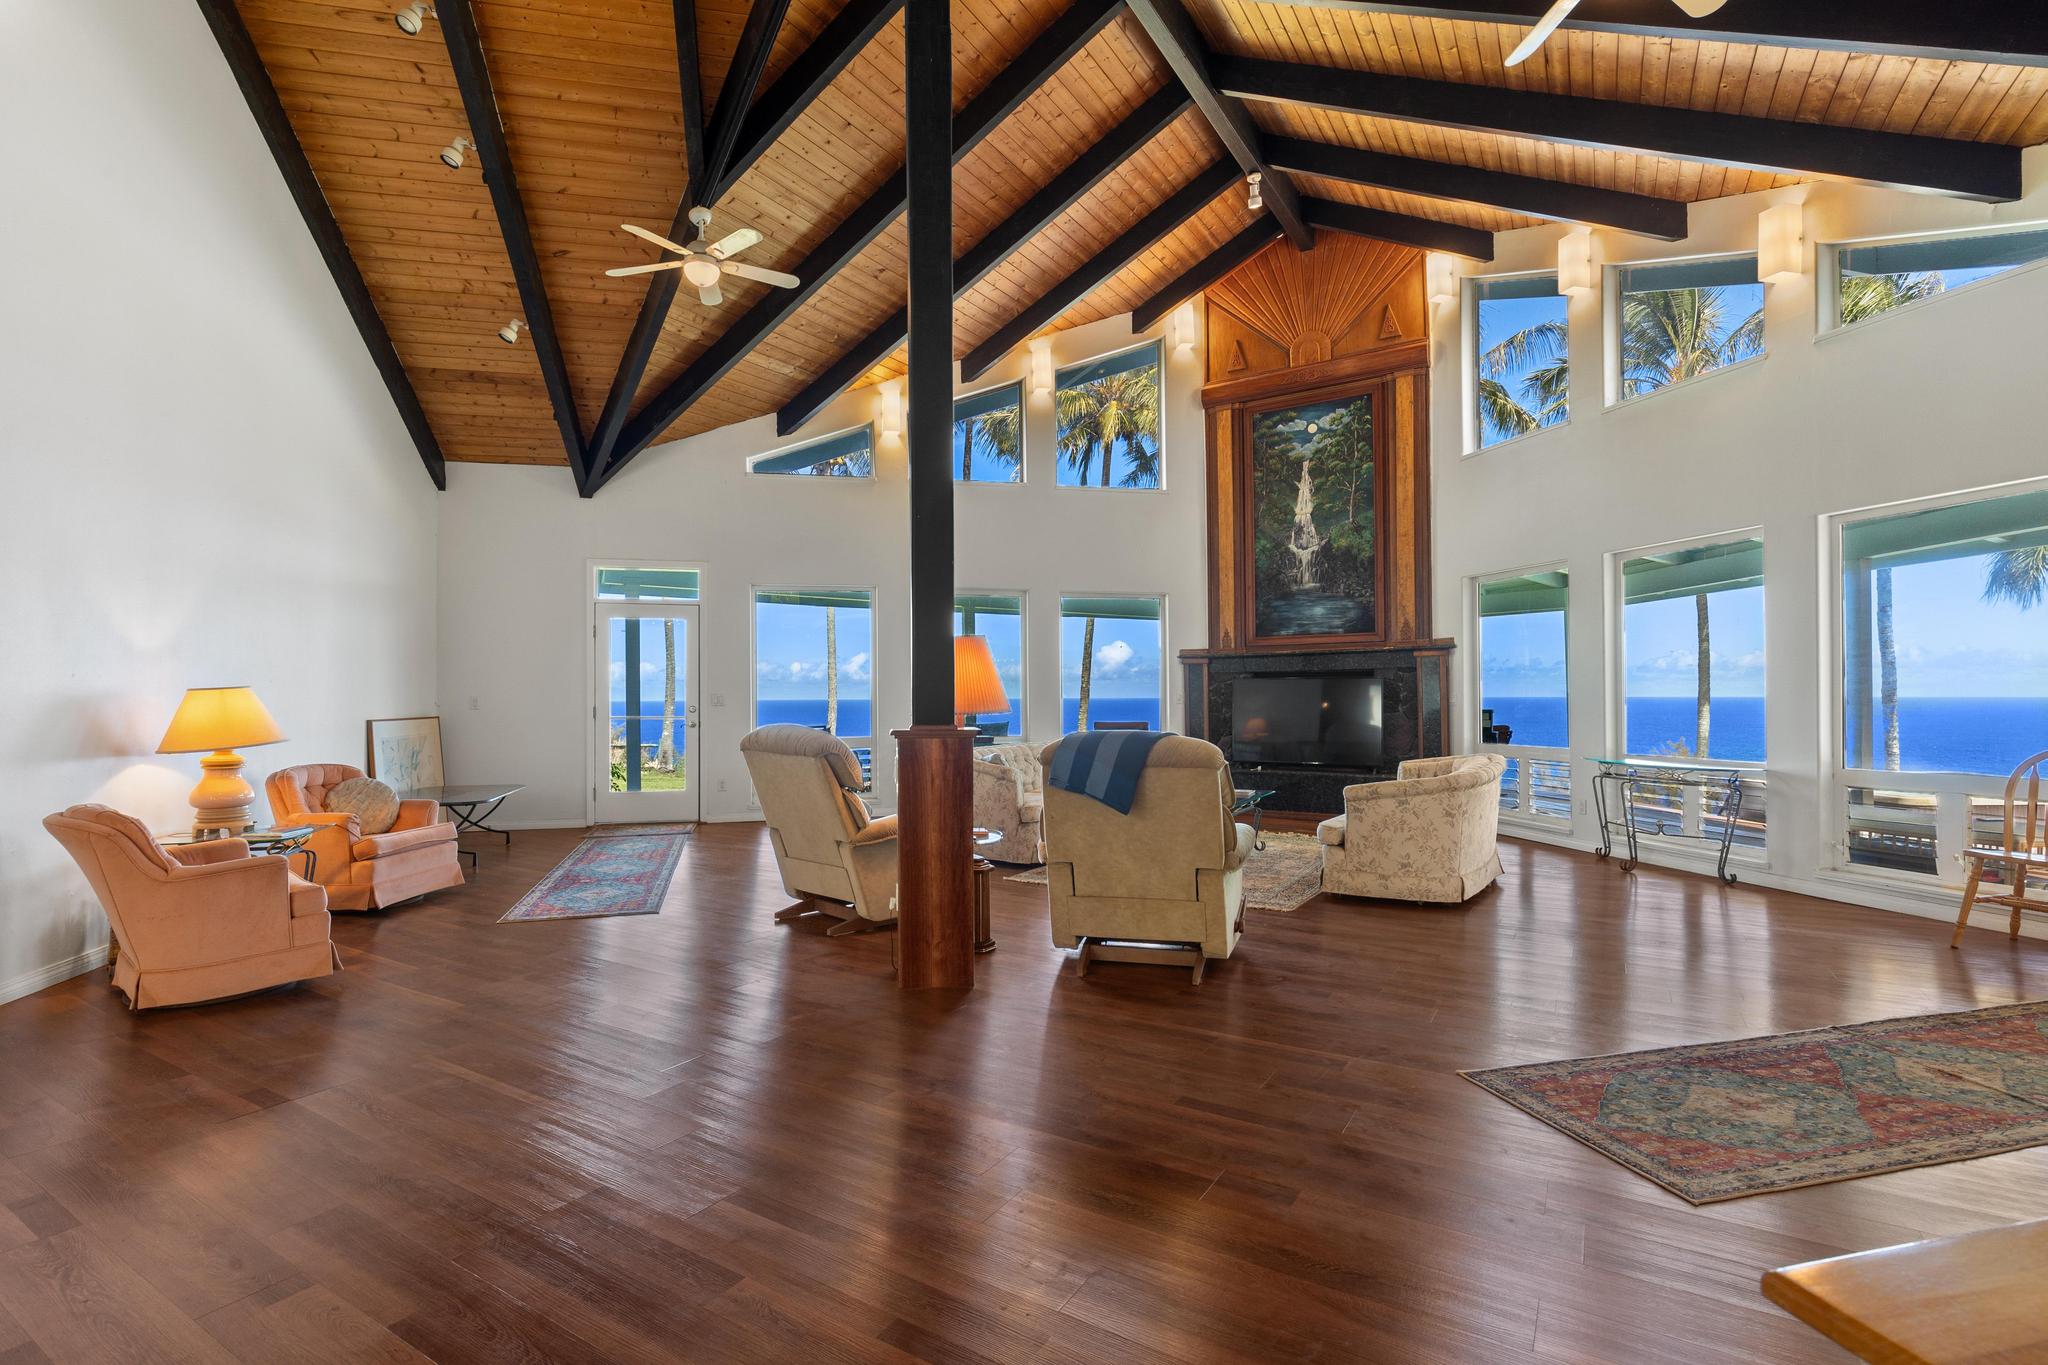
(1699,9)
(1545,26)
(709,296)
(734,242)
(644,269)
(755,272)
(664,243)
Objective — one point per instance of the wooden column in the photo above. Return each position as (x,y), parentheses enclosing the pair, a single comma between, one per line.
(934,788)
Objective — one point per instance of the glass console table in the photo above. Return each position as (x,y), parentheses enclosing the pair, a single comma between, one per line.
(1649,795)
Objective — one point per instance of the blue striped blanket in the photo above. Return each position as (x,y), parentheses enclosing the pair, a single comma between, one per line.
(1104,765)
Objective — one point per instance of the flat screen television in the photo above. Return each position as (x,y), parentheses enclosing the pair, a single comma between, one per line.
(1324,720)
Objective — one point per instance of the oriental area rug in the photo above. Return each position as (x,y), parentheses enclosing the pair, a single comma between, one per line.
(1723,1120)
(612,873)
(1284,875)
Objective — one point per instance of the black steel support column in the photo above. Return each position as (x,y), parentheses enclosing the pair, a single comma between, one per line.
(928,425)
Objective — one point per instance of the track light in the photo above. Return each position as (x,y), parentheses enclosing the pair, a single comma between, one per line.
(413,18)
(1254,201)
(509,333)
(451,155)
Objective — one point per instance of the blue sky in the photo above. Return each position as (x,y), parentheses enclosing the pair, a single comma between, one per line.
(1951,643)
(1500,319)
(789,652)
(1126,658)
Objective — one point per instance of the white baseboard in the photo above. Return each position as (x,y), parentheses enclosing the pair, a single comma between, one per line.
(44,977)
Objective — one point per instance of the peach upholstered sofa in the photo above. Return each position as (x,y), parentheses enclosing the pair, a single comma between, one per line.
(1009,798)
(199,922)
(365,871)
(1429,835)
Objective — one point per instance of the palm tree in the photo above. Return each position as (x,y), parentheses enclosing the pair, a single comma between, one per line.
(832,670)
(995,435)
(1541,355)
(1888,670)
(1117,409)
(1704,716)
(1087,672)
(2018,576)
(665,748)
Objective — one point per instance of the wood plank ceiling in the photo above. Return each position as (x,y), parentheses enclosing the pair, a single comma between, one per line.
(588,95)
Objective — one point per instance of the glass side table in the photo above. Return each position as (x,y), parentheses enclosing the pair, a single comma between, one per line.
(1252,801)
(285,841)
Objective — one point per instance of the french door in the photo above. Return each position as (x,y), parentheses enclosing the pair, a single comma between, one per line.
(644,753)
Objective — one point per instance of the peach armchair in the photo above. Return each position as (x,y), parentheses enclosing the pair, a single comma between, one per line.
(1429,835)
(200,922)
(365,871)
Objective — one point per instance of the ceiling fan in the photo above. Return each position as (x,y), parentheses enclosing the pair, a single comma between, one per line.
(703,260)
(1559,12)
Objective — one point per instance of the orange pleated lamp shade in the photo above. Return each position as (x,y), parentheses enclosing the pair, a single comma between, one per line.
(977,690)
(213,718)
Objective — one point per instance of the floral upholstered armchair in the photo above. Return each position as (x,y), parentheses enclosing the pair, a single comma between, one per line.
(1429,835)
(1009,798)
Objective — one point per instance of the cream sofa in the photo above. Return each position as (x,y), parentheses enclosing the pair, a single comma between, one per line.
(1009,798)
(1169,874)
(835,859)
(1429,835)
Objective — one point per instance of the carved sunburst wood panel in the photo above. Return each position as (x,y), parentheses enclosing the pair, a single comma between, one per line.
(1285,308)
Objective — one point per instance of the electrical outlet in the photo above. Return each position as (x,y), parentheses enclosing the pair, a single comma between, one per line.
(721,784)
(473,704)
(716,699)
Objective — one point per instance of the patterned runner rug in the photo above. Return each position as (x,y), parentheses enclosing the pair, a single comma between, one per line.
(611,874)
(1723,1120)
(630,831)
(1285,875)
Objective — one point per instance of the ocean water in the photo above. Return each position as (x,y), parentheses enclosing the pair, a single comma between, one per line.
(1936,734)
(854,715)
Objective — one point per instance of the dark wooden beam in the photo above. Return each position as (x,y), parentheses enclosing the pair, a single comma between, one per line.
(813,69)
(1181,205)
(1555,199)
(1174,34)
(1426,233)
(480,103)
(1968,170)
(1058,195)
(2003,32)
(1048,52)
(742,80)
(690,86)
(1206,272)
(275,125)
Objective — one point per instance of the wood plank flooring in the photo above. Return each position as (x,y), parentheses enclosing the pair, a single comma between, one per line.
(700,1136)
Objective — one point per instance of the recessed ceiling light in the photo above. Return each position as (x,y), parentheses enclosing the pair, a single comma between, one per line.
(451,155)
(509,333)
(413,17)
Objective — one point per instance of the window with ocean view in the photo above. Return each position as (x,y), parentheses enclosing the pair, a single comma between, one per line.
(1523,365)
(1944,657)
(814,661)
(1522,688)
(999,619)
(1693,652)
(1107,412)
(988,436)
(1873,278)
(1110,661)
(1678,320)
(847,455)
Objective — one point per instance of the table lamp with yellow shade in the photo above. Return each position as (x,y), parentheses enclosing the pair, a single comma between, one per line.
(977,689)
(216,721)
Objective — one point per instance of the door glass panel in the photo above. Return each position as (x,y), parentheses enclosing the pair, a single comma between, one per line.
(649,703)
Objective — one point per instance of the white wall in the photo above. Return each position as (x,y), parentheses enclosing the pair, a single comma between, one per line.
(1939,397)
(205,481)
(515,604)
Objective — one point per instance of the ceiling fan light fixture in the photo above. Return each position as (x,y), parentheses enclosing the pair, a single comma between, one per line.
(701,271)
(509,333)
(413,18)
(452,154)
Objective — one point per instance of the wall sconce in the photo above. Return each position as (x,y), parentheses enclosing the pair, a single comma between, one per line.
(1182,328)
(1781,243)
(1041,366)
(892,407)
(1442,274)
(1575,263)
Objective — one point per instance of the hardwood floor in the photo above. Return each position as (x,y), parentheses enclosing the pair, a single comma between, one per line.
(700,1136)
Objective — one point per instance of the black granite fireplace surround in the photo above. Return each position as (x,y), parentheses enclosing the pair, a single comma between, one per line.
(1413,680)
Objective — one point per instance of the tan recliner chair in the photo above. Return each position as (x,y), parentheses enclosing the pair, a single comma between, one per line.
(1162,884)
(835,859)
(198,922)
(1429,835)
(365,871)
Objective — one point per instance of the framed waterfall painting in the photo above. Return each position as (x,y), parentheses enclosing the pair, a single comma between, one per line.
(1313,517)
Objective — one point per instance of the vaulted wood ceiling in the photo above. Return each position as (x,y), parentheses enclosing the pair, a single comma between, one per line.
(591,107)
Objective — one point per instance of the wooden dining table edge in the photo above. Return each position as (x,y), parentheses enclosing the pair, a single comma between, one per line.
(1791,1294)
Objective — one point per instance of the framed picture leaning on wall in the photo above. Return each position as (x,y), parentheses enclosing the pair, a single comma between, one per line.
(405,752)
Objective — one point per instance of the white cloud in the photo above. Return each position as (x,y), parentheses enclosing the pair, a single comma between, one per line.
(1113,658)
(856,668)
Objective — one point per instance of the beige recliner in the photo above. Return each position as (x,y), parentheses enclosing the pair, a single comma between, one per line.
(835,859)
(1162,884)
(1429,835)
